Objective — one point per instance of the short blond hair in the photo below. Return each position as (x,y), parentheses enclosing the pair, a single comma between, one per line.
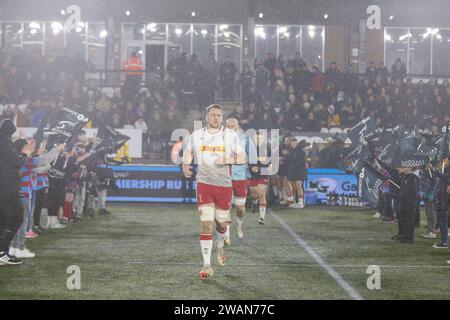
(214,106)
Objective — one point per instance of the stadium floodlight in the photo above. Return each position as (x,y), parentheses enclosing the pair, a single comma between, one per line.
(391,17)
(259,32)
(282,30)
(223,27)
(103,34)
(178,31)
(56,27)
(151,27)
(430,31)
(204,32)
(325,16)
(261,15)
(193,13)
(63,12)
(34,25)
(128,13)
(405,36)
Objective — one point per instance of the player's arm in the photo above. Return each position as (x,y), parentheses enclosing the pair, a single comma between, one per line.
(188,156)
(236,153)
(239,156)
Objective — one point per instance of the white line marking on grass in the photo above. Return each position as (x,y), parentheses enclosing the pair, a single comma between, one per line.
(342,283)
(269,265)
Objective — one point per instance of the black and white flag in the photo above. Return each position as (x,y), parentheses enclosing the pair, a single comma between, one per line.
(65,125)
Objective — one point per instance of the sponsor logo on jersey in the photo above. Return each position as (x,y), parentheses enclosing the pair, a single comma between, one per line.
(205,148)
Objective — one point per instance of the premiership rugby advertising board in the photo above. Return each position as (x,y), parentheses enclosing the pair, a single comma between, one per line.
(151,184)
(167,184)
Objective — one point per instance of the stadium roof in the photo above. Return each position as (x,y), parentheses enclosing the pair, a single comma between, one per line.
(405,12)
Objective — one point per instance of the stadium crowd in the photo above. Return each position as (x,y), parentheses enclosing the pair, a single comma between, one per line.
(289,95)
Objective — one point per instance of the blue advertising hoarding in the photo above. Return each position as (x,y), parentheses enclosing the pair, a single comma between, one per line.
(141,183)
(151,183)
(321,182)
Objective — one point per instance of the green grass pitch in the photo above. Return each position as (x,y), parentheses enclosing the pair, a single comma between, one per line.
(153,252)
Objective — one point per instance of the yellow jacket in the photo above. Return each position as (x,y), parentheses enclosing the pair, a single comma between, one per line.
(123,153)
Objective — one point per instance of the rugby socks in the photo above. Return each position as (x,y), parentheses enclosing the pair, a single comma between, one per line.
(68,205)
(275,190)
(102,198)
(206,242)
(282,196)
(220,239)
(262,211)
(227,233)
(290,200)
(240,220)
(300,201)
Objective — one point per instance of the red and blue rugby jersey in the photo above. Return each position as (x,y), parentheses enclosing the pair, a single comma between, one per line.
(28,176)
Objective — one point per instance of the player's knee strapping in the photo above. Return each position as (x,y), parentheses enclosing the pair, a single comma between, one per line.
(239,201)
(206,213)
(222,216)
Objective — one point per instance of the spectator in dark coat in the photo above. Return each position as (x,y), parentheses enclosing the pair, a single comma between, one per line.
(245,81)
(398,71)
(262,80)
(407,203)
(333,75)
(441,201)
(371,72)
(11,206)
(311,124)
(297,169)
(227,73)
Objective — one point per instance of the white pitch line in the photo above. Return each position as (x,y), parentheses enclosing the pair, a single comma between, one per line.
(340,281)
(148,262)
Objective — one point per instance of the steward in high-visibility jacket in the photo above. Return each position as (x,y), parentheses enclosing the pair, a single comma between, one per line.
(133,65)
(123,154)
